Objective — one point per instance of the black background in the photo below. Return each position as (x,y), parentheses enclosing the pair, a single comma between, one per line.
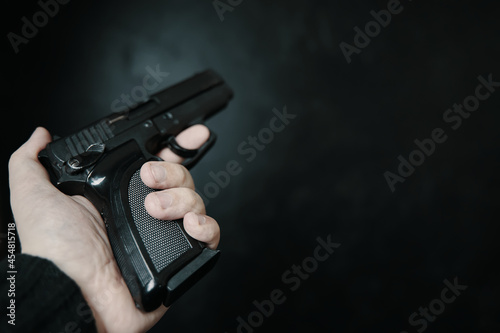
(324,174)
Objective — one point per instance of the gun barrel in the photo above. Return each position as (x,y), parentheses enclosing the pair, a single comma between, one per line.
(172,110)
(174,97)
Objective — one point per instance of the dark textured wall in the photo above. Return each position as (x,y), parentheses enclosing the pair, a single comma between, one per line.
(324,173)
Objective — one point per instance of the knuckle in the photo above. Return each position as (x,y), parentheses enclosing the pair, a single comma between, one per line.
(13,160)
(182,174)
(191,199)
(214,231)
(196,197)
(183,178)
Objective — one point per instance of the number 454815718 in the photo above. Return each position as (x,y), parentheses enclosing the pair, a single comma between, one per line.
(11,245)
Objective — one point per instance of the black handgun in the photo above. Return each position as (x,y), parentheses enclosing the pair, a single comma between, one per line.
(158,260)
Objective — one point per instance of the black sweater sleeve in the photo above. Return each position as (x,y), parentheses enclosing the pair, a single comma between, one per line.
(45,299)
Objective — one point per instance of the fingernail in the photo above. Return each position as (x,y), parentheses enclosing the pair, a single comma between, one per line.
(201,219)
(164,199)
(159,173)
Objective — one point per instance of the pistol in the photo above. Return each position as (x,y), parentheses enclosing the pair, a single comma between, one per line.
(158,260)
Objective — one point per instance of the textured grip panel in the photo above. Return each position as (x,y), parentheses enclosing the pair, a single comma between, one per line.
(164,240)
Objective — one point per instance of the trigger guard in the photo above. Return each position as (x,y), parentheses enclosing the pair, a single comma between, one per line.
(179,150)
(191,156)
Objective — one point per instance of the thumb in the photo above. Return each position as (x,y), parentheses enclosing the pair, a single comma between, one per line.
(35,144)
(24,167)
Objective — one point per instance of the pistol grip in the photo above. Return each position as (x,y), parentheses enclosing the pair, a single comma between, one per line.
(158,260)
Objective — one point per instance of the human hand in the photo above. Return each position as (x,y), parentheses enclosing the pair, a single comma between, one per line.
(70,232)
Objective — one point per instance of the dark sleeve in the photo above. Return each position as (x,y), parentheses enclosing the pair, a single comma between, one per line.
(45,299)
